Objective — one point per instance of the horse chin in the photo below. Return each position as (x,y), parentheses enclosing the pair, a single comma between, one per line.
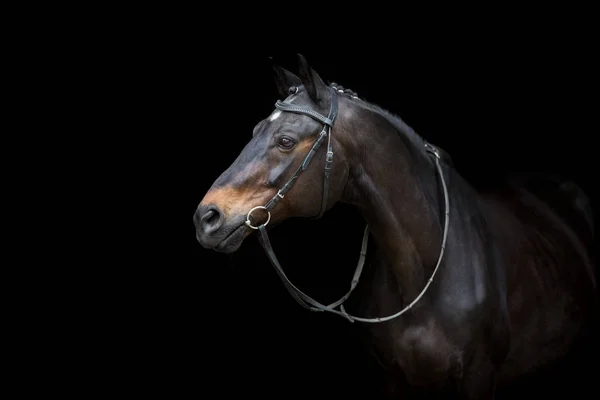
(233,241)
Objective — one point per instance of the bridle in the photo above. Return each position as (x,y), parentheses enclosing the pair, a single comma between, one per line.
(303,299)
(326,132)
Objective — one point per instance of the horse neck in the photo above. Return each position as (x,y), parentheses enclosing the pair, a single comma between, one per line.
(393,184)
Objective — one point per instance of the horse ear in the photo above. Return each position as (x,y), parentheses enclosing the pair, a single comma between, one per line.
(313,83)
(284,79)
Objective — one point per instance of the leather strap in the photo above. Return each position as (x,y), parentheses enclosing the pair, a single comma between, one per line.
(300,297)
(303,299)
(313,305)
(326,132)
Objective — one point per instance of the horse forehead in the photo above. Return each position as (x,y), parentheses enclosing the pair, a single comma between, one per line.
(274,115)
(292,99)
(288,121)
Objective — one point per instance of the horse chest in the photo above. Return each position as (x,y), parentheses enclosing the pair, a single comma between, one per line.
(425,354)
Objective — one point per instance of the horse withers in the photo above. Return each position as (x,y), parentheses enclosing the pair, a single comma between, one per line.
(461,290)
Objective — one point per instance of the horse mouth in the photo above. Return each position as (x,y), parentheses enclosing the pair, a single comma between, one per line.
(233,240)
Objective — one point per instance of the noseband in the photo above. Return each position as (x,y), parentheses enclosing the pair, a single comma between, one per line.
(303,299)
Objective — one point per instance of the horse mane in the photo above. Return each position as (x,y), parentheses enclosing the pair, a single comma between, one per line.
(459,189)
(414,141)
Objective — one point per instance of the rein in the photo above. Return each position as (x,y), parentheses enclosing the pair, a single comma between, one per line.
(303,299)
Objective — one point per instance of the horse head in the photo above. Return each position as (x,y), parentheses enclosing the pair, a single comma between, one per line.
(270,181)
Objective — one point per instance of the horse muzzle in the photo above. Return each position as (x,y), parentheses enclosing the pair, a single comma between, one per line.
(215,232)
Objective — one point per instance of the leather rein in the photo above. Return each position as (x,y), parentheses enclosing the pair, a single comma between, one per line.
(300,297)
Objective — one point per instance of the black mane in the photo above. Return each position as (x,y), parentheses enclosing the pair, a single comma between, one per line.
(459,188)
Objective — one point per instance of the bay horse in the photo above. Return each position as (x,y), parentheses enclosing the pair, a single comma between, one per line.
(464,290)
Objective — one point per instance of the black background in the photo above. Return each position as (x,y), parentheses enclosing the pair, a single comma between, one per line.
(184,319)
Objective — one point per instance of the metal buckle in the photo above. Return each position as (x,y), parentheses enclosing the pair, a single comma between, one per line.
(432,149)
(249,224)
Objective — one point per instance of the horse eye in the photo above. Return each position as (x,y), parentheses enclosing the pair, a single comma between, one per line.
(293,90)
(285,142)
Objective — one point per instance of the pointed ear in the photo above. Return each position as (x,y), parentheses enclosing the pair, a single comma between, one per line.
(313,83)
(284,79)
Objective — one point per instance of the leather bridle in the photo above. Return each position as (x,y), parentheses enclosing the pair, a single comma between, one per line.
(303,299)
(326,132)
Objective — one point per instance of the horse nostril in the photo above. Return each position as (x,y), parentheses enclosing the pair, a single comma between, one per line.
(211,218)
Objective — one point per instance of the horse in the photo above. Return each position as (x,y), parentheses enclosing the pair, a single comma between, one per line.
(463,290)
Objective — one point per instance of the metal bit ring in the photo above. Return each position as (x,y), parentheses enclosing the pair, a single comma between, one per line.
(249,224)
